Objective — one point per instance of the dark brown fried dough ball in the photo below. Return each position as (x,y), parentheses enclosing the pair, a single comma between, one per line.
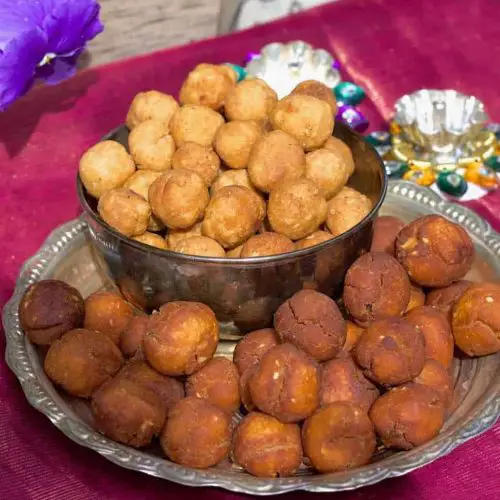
(306,118)
(444,299)
(179,198)
(296,208)
(202,246)
(434,251)
(286,384)
(81,360)
(151,105)
(232,178)
(174,236)
(266,447)
(436,376)
(476,320)
(245,396)
(267,243)
(252,347)
(132,335)
(197,433)
(391,351)
(107,313)
(436,330)
(318,90)
(181,338)
(337,437)
(312,322)
(313,239)
(407,416)
(341,149)
(217,382)
(49,309)
(275,157)
(417,298)
(152,239)
(353,334)
(385,230)
(376,287)
(199,159)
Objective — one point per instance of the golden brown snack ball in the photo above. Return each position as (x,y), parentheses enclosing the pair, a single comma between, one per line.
(81,360)
(312,322)
(353,334)
(318,90)
(252,347)
(436,330)
(192,123)
(151,105)
(49,309)
(417,298)
(407,416)
(444,299)
(206,85)
(275,157)
(296,208)
(434,251)
(203,246)
(132,335)
(152,239)
(175,235)
(376,287)
(179,198)
(233,214)
(234,253)
(105,166)
(341,149)
(230,72)
(125,211)
(199,159)
(338,436)
(266,447)
(313,239)
(232,178)
(286,384)
(245,396)
(217,382)
(251,99)
(181,338)
(385,230)
(306,118)
(140,182)
(197,433)
(391,351)
(436,376)
(346,210)
(476,320)
(267,243)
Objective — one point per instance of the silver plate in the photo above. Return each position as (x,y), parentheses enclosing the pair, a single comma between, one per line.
(66,255)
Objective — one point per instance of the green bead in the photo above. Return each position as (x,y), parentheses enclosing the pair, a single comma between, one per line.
(379,138)
(241,72)
(452,183)
(349,93)
(493,162)
(395,169)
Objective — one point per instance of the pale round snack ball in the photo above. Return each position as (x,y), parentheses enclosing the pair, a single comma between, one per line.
(140,182)
(151,105)
(306,118)
(193,123)
(174,236)
(199,159)
(313,239)
(125,211)
(151,239)
(341,149)
(275,157)
(202,246)
(346,209)
(267,243)
(234,253)
(178,198)
(105,166)
(327,170)
(296,208)
(234,142)
(318,90)
(251,99)
(232,178)
(151,146)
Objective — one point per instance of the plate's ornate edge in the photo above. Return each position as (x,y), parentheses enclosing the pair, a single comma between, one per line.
(19,360)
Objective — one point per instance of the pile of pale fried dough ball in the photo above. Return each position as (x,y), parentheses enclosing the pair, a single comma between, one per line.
(230,171)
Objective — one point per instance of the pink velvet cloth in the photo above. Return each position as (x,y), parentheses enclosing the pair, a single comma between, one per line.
(388,47)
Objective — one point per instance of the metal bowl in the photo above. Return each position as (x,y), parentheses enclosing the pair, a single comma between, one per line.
(244,293)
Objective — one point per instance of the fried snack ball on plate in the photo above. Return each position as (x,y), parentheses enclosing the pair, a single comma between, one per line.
(266,447)
(476,320)
(346,210)
(353,334)
(385,230)
(296,208)
(434,251)
(193,123)
(275,157)
(417,298)
(105,166)
(313,239)
(338,436)
(232,178)
(197,433)
(181,338)
(391,351)
(233,214)
(202,246)
(217,382)
(312,322)
(199,159)
(179,198)
(132,335)
(286,384)
(341,149)
(107,313)
(206,85)
(125,211)
(444,299)
(152,239)
(376,287)
(234,142)
(151,105)
(174,236)
(140,181)
(436,330)
(252,347)
(49,309)
(82,360)
(407,416)
(436,376)
(251,99)
(306,118)
(267,243)
(319,90)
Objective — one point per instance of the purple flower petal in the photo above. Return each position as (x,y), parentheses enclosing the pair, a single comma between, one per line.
(58,70)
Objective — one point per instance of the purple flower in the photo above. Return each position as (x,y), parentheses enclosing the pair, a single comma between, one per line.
(42,39)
